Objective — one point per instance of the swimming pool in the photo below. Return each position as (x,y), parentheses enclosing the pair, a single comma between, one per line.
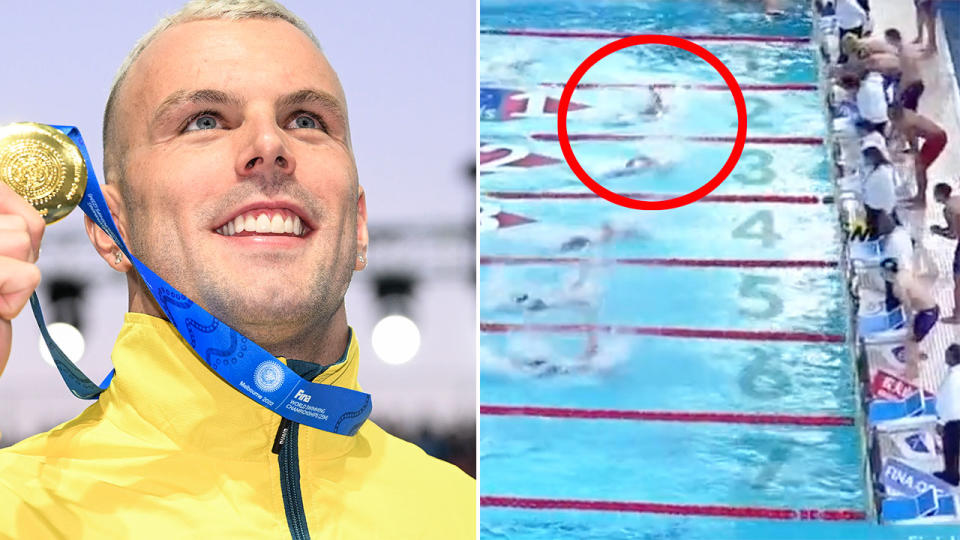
(692,378)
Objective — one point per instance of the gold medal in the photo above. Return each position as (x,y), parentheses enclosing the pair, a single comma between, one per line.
(44,167)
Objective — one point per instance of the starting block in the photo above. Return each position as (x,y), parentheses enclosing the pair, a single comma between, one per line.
(927,505)
(869,253)
(917,405)
(881,322)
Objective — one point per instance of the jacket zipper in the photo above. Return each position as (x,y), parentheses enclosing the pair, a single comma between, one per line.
(286,447)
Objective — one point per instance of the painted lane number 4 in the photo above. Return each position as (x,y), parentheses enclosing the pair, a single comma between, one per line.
(758,226)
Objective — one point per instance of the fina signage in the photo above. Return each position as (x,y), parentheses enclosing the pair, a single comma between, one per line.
(887,386)
(902,478)
(916,443)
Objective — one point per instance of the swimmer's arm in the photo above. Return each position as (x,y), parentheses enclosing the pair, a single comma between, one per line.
(906,130)
(912,140)
(953,224)
(950,231)
(905,300)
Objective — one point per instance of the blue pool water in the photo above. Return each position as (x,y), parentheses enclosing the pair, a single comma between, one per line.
(795,112)
(715,230)
(698,297)
(785,169)
(599,362)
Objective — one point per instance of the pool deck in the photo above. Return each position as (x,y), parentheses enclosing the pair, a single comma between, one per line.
(939,103)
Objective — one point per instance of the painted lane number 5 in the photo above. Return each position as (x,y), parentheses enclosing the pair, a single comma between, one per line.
(753,287)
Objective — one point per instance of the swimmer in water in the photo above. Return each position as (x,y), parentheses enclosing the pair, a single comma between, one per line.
(544,365)
(638,164)
(524,301)
(577,294)
(656,107)
(608,233)
(772,8)
(624,115)
(642,162)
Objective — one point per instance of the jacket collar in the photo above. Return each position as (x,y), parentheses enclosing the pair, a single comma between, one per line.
(164,394)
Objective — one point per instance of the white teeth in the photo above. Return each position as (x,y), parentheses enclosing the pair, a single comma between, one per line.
(263,223)
(276,224)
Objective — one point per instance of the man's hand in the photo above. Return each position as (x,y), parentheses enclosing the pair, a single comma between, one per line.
(21,229)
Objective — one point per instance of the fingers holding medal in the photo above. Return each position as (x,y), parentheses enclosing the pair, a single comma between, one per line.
(43,178)
(21,229)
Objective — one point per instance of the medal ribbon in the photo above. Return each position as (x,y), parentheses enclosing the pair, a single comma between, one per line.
(242,363)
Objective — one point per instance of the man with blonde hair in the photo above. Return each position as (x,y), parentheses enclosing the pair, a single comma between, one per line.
(230,173)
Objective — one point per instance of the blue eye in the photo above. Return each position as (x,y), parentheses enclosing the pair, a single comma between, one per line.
(201,122)
(305,120)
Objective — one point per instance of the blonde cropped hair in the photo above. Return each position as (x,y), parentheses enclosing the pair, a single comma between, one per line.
(194,10)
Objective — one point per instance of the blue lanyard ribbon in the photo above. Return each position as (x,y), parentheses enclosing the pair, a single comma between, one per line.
(242,363)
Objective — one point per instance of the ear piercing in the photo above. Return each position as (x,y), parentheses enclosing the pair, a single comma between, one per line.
(119,258)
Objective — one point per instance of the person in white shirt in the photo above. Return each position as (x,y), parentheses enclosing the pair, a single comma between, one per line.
(872,102)
(898,245)
(948,410)
(851,18)
(878,195)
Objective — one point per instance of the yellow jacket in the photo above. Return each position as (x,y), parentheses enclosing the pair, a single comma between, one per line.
(171,451)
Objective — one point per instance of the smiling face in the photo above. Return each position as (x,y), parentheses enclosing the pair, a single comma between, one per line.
(239,182)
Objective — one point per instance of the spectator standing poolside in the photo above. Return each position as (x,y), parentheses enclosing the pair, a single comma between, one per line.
(948,410)
(943,194)
(926,18)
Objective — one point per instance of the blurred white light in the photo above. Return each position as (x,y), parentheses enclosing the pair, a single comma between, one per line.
(396,339)
(68,338)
